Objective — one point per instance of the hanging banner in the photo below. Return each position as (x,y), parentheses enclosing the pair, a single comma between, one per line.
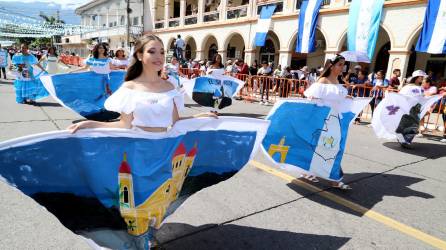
(307,136)
(130,173)
(433,35)
(263,24)
(215,90)
(4,58)
(83,93)
(363,25)
(306,33)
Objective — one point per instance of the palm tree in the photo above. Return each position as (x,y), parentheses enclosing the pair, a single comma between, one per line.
(52,21)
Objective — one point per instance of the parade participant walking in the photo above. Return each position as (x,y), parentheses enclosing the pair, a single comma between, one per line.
(120,61)
(100,62)
(52,61)
(328,89)
(4,61)
(27,87)
(145,101)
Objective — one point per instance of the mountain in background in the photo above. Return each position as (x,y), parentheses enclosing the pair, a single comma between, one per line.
(33,9)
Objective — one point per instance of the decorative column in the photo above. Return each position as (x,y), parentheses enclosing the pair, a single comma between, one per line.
(166,13)
(199,55)
(398,59)
(222,52)
(200,11)
(252,8)
(250,56)
(148,15)
(222,9)
(285,57)
(182,11)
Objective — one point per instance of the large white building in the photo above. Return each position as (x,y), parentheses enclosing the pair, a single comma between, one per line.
(230,30)
(108,18)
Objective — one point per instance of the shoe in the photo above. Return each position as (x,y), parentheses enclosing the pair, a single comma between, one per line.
(419,135)
(443,140)
(342,186)
(310,178)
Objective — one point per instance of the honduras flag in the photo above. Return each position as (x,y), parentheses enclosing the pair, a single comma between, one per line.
(263,24)
(363,25)
(309,136)
(433,35)
(306,33)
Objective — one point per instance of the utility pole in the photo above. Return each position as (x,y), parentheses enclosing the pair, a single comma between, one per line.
(128,23)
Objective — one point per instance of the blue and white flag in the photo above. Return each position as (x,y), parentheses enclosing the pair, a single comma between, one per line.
(363,25)
(83,93)
(214,90)
(4,58)
(263,24)
(433,35)
(133,173)
(306,136)
(306,33)
(389,113)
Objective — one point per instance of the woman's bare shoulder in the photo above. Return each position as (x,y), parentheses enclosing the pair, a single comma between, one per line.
(129,84)
(323,80)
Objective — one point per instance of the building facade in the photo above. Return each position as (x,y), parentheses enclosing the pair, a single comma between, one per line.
(109,23)
(228,27)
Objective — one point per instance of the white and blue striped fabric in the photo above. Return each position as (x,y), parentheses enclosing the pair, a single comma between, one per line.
(263,24)
(306,33)
(433,36)
(363,25)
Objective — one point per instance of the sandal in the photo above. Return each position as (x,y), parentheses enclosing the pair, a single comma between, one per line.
(342,186)
(310,178)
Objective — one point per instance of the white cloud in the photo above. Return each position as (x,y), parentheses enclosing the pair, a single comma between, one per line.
(66,4)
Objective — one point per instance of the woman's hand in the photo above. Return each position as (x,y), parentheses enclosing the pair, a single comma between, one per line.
(208,114)
(80,125)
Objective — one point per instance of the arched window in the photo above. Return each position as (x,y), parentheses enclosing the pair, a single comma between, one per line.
(213,49)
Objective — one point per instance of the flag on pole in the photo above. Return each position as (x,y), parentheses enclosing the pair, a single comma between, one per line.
(306,33)
(263,24)
(363,25)
(433,35)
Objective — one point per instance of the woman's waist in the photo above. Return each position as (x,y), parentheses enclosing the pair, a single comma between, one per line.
(150,129)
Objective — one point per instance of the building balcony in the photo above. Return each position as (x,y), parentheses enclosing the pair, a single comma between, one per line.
(191,19)
(211,16)
(237,12)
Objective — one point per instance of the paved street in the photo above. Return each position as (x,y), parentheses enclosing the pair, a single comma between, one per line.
(398,199)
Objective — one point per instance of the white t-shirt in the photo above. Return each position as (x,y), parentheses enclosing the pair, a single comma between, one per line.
(412,90)
(263,71)
(99,65)
(120,62)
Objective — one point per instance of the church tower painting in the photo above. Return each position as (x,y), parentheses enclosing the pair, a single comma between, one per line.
(281,149)
(126,199)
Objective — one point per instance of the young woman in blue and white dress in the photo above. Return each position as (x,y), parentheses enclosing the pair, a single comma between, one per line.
(100,63)
(145,101)
(28,88)
(328,90)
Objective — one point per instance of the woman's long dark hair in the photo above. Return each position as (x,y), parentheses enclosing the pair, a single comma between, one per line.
(54,51)
(136,67)
(329,63)
(96,52)
(214,60)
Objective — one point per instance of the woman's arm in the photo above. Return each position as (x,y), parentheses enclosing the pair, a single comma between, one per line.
(124,122)
(176,117)
(85,67)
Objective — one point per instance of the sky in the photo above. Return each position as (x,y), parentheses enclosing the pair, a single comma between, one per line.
(66,4)
(32,8)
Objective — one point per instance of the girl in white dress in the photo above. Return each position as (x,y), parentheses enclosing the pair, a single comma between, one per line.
(120,61)
(145,101)
(328,90)
(53,62)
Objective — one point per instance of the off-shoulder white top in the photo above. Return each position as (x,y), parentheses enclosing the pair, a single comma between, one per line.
(328,92)
(149,109)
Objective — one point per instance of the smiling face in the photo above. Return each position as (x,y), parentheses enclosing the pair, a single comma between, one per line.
(338,67)
(152,55)
(101,50)
(24,48)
